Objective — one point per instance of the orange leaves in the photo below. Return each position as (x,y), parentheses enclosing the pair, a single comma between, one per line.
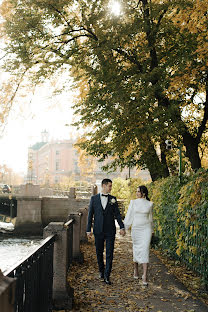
(187,277)
(194,19)
(192,22)
(127,294)
(6,9)
(91,294)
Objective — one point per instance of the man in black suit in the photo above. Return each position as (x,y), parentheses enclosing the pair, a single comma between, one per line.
(104,208)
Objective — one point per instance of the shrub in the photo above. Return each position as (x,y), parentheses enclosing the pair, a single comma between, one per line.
(125,189)
(181,219)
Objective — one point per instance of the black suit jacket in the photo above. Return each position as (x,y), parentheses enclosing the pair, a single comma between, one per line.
(104,219)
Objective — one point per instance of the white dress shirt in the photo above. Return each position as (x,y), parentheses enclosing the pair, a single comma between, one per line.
(104,200)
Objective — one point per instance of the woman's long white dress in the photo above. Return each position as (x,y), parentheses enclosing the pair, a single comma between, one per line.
(139,217)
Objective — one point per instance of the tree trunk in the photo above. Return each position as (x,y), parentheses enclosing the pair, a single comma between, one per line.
(158,169)
(163,159)
(165,166)
(192,152)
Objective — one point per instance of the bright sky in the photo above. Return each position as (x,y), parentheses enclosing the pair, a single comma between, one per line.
(33,114)
(30,115)
(28,119)
(115,7)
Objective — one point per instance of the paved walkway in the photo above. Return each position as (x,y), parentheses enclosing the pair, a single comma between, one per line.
(164,293)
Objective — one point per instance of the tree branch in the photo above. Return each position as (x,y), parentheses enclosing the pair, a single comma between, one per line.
(17,88)
(160,18)
(62,15)
(91,33)
(68,32)
(10,102)
(4,56)
(131,58)
(82,28)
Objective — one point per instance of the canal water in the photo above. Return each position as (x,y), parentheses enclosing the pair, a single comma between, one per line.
(13,250)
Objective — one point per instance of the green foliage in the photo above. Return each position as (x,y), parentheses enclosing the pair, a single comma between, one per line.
(126,189)
(181,219)
(165,194)
(180,216)
(120,188)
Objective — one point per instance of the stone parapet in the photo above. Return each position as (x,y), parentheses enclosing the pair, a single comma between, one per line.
(34,213)
(83,225)
(58,209)
(29,189)
(62,293)
(77,255)
(28,220)
(7,293)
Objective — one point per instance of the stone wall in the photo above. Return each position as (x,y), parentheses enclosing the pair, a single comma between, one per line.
(28,218)
(29,189)
(58,209)
(34,213)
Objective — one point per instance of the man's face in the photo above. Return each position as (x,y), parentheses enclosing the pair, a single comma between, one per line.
(107,188)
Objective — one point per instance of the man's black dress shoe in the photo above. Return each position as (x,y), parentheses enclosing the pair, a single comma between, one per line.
(101,275)
(107,280)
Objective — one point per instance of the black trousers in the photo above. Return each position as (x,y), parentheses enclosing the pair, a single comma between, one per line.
(100,240)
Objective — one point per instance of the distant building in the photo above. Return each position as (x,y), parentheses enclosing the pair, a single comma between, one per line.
(52,162)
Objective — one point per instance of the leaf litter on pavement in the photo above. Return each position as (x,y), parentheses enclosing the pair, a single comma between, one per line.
(92,294)
(187,277)
(125,293)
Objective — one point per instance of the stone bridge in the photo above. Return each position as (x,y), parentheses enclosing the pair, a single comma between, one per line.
(32,213)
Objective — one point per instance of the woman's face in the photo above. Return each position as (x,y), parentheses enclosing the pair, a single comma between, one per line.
(138,193)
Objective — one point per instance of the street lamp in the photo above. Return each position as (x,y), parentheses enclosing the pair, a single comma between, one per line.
(169,146)
(180,162)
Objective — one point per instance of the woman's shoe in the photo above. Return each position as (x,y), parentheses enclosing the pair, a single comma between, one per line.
(136,275)
(143,282)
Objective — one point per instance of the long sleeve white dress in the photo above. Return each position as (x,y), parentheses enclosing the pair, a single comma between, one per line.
(139,217)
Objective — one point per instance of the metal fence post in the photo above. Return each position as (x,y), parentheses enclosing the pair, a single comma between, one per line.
(180,163)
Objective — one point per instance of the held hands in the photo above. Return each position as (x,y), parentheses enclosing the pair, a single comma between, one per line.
(89,234)
(122,232)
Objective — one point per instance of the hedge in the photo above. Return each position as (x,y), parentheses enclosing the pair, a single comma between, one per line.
(181,219)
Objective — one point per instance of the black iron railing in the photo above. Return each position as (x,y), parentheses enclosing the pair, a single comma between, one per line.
(34,279)
(8,207)
(189,237)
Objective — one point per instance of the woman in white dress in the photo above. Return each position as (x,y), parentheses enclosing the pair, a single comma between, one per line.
(139,217)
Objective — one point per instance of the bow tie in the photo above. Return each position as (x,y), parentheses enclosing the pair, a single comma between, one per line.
(104,195)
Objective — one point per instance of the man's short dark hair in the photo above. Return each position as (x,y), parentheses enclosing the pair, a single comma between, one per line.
(106,181)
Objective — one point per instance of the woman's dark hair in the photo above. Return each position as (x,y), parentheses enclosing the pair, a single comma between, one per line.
(144,191)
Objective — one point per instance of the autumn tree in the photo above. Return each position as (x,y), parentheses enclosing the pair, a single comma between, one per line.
(87,165)
(8,176)
(140,73)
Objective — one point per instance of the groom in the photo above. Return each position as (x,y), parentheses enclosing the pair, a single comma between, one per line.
(104,208)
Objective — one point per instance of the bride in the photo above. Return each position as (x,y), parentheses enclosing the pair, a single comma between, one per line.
(139,217)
